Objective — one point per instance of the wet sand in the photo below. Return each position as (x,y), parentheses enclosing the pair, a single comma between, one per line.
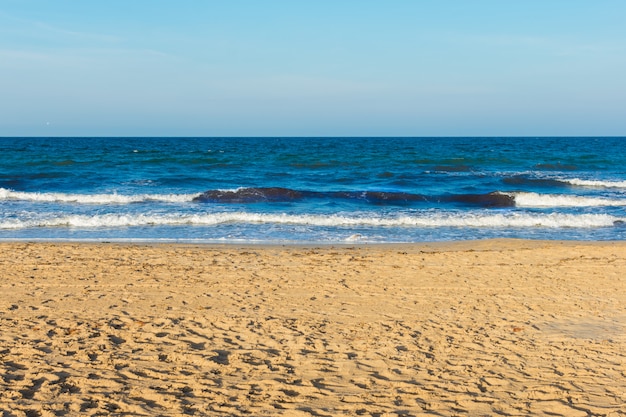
(497,327)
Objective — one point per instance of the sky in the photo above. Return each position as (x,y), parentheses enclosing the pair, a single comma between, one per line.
(312,68)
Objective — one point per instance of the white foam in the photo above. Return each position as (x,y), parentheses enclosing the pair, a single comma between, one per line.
(594,183)
(6,194)
(477,220)
(522,199)
(562,200)
(357,237)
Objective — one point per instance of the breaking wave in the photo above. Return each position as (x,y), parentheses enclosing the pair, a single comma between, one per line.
(563,200)
(557,182)
(477,220)
(595,183)
(114,198)
(495,199)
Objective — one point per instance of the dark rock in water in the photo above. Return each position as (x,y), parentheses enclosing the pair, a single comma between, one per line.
(250,195)
(522,180)
(375,197)
(619,223)
(279,194)
(392,197)
(494,199)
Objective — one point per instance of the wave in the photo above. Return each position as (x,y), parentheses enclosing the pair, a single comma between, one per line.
(495,199)
(561,200)
(261,195)
(524,180)
(454,220)
(278,194)
(6,194)
(487,200)
(556,166)
(595,183)
(252,195)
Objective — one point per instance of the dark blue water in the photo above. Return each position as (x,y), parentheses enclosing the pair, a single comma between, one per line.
(322,190)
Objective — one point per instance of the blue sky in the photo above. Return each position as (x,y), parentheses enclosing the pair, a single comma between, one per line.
(312,68)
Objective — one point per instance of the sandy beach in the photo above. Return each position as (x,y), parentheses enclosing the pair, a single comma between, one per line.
(497,327)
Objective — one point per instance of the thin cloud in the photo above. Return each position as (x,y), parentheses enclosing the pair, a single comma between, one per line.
(45,30)
(557,45)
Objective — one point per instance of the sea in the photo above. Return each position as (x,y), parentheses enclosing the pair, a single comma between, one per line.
(330,190)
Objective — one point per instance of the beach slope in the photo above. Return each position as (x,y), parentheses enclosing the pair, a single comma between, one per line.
(474,328)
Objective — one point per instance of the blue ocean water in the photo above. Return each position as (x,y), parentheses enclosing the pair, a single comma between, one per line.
(311,190)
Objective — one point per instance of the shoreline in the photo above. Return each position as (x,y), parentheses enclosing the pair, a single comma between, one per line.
(496,326)
(148,242)
(479,245)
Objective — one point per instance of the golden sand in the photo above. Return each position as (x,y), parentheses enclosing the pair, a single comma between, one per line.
(495,327)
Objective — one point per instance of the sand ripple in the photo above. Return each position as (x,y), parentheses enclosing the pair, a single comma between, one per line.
(491,328)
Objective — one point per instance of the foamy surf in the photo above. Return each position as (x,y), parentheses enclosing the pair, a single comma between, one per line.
(595,183)
(519,199)
(475,220)
(563,200)
(104,199)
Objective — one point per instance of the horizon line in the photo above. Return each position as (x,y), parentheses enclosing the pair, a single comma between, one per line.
(303,136)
